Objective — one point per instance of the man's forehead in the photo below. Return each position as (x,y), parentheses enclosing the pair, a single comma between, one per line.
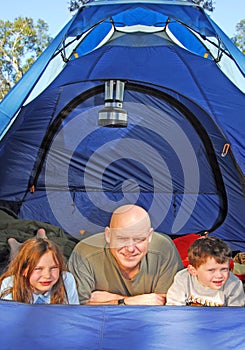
(130,231)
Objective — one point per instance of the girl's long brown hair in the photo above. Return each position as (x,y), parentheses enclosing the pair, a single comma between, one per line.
(22,266)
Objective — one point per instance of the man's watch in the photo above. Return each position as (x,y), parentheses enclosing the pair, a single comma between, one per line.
(121,302)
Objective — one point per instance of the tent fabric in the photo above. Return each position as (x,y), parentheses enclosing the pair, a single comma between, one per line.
(235,52)
(119,327)
(160,10)
(92,15)
(181,156)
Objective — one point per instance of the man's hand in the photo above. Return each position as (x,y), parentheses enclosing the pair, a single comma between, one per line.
(146,299)
(101,297)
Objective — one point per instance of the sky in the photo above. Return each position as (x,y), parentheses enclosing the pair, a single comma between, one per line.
(55,13)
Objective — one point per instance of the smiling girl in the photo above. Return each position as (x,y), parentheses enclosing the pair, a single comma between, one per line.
(38,275)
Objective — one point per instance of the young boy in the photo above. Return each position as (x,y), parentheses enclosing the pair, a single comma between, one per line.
(207,281)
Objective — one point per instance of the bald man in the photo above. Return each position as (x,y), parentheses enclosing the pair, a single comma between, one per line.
(128,264)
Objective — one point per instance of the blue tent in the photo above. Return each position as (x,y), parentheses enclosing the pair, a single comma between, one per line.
(178,83)
(170,86)
(120,327)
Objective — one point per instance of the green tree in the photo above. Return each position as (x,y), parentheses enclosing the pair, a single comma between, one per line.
(239,38)
(21,42)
